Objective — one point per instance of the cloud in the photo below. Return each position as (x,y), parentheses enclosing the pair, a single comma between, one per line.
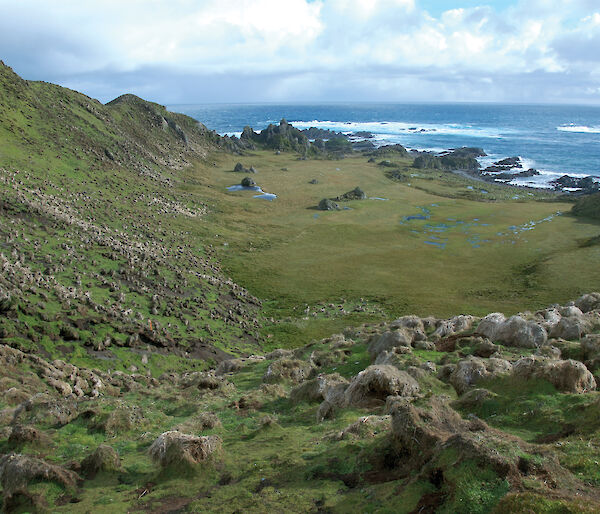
(269,50)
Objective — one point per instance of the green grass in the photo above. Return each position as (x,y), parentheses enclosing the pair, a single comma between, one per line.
(293,255)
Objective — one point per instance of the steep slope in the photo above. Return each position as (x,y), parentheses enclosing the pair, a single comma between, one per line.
(99,253)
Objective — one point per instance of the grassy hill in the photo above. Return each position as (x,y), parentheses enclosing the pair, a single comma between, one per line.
(170,345)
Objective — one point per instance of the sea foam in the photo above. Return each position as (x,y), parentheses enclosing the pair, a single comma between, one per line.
(581,129)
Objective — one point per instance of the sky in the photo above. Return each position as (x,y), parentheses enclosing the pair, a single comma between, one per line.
(230,51)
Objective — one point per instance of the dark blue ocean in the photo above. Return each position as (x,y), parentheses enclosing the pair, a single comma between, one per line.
(556,140)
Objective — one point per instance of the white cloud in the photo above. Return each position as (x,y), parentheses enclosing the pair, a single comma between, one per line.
(298,47)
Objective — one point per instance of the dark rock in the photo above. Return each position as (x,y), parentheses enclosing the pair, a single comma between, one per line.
(318,133)
(328,205)
(389,150)
(586,184)
(313,181)
(513,162)
(356,194)
(248,182)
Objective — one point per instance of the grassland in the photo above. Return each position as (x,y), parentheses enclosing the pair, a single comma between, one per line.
(475,251)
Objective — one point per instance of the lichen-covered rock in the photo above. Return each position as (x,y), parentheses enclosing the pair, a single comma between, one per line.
(377,382)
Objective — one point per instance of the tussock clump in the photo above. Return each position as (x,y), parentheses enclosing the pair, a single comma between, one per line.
(294,370)
(204,421)
(469,372)
(43,409)
(568,376)
(103,459)
(272,390)
(269,420)
(209,420)
(317,389)
(588,302)
(175,448)
(388,341)
(230,366)
(18,471)
(365,427)
(455,325)
(424,436)
(473,398)
(324,358)
(233,365)
(514,331)
(393,357)
(14,396)
(120,420)
(24,434)
(376,383)
(279,353)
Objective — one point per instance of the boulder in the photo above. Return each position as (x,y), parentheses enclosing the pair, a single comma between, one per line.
(376,383)
(356,194)
(248,182)
(176,449)
(328,205)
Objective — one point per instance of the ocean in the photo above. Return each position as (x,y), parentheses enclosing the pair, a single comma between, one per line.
(554,139)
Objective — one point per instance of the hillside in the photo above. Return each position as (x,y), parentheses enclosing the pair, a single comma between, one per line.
(170,343)
(93,235)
